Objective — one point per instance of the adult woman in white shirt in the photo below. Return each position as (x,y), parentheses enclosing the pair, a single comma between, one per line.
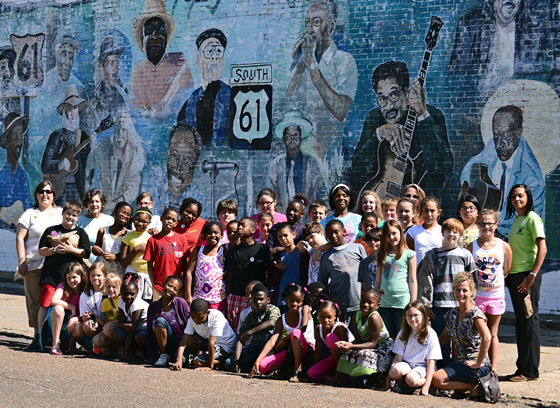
(31,225)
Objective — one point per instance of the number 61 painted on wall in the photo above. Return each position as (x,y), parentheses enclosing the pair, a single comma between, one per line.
(251,109)
(29,62)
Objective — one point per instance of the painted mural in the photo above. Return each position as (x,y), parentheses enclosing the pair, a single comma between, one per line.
(218,99)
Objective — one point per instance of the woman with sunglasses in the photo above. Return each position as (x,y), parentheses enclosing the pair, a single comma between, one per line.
(414,193)
(31,225)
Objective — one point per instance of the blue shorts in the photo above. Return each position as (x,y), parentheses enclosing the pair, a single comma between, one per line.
(460,372)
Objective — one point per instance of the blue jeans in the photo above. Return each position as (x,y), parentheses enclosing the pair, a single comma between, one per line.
(392,319)
(439,326)
(248,356)
(172,342)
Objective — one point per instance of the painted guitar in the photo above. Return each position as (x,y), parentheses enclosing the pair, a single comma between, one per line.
(481,186)
(58,180)
(391,169)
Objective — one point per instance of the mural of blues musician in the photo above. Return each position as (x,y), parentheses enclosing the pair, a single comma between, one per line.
(14,181)
(429,159)
(9,94)
(158,79)
(295,171)
(510,161)
(208,106)
(106,98)
(58,159)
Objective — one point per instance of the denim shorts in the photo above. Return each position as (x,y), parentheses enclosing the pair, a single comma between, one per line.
(460,372)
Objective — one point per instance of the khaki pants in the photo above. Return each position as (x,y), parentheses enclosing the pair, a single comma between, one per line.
(33,296)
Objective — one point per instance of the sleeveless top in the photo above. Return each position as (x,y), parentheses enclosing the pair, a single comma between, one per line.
(490,270)
(287,329)
(338,323)
(209,281)
(364,328)
(111,244)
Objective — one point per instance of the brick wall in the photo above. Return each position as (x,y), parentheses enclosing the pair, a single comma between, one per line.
(476,67)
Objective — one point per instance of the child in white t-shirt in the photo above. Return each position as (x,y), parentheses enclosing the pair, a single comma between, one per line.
(416,351)
(207,333)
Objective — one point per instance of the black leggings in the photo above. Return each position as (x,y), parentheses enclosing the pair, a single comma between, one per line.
(527,331)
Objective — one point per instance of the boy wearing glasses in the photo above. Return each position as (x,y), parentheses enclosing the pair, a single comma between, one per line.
(436,273)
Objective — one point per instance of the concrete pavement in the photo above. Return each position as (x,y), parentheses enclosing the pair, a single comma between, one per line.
(14,335)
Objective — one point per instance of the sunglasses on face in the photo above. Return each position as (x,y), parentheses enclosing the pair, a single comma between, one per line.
(45,191)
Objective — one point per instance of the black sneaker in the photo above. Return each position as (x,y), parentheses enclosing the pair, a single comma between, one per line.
(404,388)
(35,344)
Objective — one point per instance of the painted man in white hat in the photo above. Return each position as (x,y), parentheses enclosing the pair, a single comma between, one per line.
(55,166)
(106,98)
(161,77)
(14,181)
(295,171)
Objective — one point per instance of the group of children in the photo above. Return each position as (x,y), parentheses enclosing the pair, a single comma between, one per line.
(352,296)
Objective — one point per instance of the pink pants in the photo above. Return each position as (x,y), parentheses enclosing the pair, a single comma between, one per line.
(273,361)
(320,369)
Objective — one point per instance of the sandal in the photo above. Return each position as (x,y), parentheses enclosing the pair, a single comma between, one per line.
(55,351)
(297,376)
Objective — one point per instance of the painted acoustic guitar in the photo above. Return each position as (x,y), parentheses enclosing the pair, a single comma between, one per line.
(391,169)
(58,180)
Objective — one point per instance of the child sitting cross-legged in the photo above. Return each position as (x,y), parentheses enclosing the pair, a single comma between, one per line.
(208,338)
(258,327)
(416,351)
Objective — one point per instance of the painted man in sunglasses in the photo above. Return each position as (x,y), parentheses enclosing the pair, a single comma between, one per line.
(158,80)
(208,106)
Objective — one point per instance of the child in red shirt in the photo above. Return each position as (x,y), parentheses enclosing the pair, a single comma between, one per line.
(165,253)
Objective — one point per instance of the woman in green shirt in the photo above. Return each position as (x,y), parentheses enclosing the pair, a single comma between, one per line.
(528,245)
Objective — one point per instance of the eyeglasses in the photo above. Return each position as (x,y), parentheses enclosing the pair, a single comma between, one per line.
(393,97)
(265,203)
(486,224)
(470,209)
(209,50)
(44,192)
(411,196)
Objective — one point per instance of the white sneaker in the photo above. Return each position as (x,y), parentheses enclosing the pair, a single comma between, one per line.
(162,360)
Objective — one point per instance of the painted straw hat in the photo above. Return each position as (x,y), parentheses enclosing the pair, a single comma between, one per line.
(152,8)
